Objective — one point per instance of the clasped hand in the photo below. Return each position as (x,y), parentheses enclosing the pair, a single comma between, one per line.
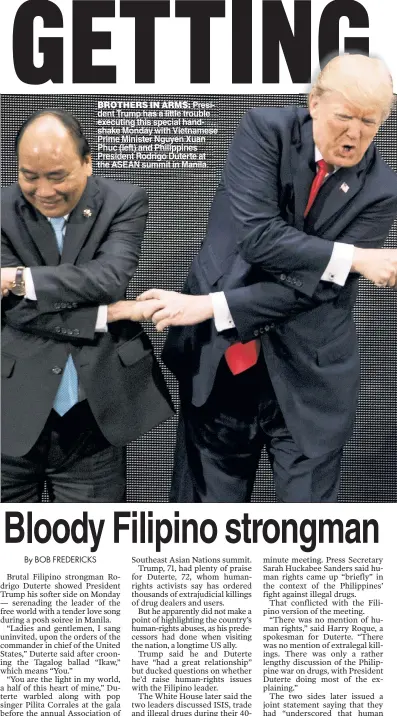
(377,265)
(164,308)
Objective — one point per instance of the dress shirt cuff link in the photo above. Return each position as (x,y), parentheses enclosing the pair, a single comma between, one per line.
(340,264)
(30,292)
(101,325)
(222,317)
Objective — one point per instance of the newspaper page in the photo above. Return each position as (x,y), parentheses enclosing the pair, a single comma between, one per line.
(154,609)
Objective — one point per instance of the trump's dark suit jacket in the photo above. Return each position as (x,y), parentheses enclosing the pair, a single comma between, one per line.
(269,261)
(117,370)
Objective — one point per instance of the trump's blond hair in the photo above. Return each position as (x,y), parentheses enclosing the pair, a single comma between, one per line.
(363,81)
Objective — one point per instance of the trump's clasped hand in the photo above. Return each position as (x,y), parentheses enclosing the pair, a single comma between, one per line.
(377,265)
(177,309)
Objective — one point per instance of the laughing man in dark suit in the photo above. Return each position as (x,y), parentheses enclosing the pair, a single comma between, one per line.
(76,385)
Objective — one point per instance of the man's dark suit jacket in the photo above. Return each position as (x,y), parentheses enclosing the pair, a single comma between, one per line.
(117,369)
(269,261)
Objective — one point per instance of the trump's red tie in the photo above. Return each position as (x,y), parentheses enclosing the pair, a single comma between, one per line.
(241,356)
(323,170)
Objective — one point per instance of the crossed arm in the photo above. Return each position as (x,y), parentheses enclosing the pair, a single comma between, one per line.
(77,291)
(106,277)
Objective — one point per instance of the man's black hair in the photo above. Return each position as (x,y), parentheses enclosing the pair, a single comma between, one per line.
(69,122)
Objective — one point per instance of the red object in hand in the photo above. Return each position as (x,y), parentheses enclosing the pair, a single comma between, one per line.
(323,170)
(242,356)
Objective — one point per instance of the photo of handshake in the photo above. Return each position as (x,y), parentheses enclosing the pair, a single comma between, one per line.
(163,308)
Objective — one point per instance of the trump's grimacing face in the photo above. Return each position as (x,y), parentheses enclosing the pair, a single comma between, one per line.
(350,99)
(51,173)
(342,130)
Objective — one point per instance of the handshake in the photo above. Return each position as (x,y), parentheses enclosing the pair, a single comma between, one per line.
(163,308)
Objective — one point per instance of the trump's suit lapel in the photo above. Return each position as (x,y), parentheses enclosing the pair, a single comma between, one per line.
(332,199)
(303,168)
(81,221)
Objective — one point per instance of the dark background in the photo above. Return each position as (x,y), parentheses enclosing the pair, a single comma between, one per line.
(179,204)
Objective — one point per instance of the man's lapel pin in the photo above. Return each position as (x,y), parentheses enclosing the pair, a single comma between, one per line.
(87,213)
(345,187)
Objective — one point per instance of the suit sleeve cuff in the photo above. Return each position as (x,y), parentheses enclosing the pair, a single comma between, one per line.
(30,292)
(101,325)
(340,264)
(222,317)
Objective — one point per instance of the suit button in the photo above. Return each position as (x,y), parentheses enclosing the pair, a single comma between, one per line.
(69,332)
(56,370)
(57,305)
(298,283)
(256,332)
(75,332)
(58,329)
(267,328)
(73,305)
(261,330)
(272,325)
(283,277)
(289,280)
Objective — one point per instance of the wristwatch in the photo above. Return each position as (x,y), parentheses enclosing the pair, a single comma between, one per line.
(18,287)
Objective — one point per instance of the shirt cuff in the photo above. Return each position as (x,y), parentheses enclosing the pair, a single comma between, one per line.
(340,264)
(222,317)
(30,292)
(101,325)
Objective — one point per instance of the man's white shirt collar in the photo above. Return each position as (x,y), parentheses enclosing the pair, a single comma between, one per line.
(66,215)
(318,156)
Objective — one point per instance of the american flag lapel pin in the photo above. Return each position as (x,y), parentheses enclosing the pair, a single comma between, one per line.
(345,187)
